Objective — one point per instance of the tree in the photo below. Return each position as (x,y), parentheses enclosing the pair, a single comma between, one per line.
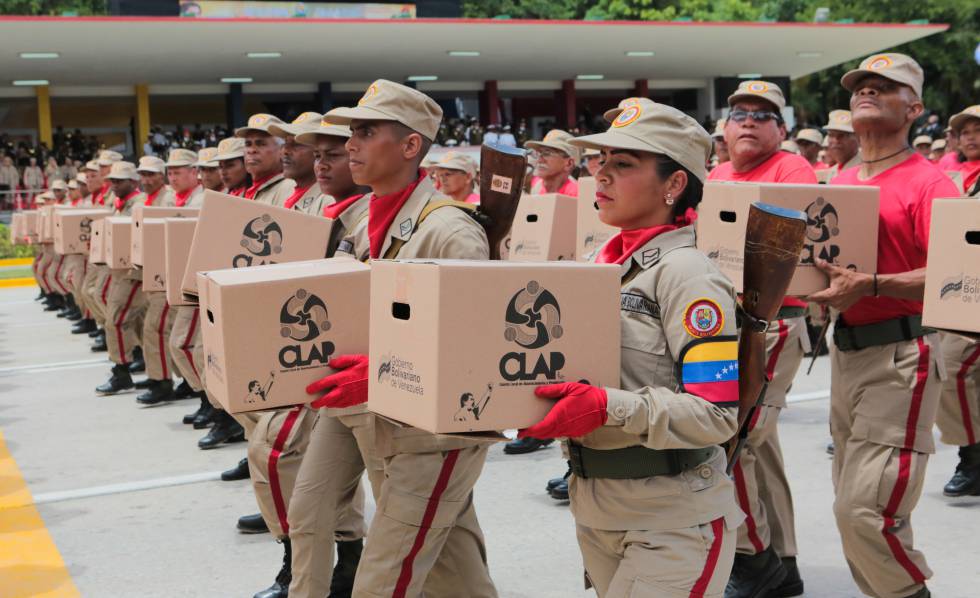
(526,9)
(53,7)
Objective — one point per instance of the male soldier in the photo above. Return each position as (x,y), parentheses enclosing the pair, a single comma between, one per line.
(125,301)
(262,161)
(207,169)
(592,158)
(425,528)
(151,170)
(556,160)
(182,175)
(765,558)
(966,128)
(74,195)
(842,144)
(923,145)
(718,136)
(297,164)
(950,159)
(885,370)
(809,142)
(95,287)
(106,159)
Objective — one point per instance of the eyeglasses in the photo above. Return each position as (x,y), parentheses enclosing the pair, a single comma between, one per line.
(759,116)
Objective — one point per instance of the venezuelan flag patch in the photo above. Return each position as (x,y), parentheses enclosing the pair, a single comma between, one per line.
(709,369)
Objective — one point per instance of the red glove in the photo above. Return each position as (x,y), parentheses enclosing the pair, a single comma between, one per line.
(348,386)
(581,408)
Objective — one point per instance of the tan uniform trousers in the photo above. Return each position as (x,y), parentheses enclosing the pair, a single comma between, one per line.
(44,260)
(882,408)
(95,291)
(677,563)
(430,542)
(157,324)
(186,347)
(73,273)
(761,487)
(277,446)
(36,270)
(959,408)
(125,308)
(340,450)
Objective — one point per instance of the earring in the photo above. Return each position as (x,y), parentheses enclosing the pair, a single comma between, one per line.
(669,200)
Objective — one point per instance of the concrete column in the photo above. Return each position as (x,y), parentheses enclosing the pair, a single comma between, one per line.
(565,97)
(641,88)
(489,104)
(142,116)
(324,97)
(44,116)
(235,106)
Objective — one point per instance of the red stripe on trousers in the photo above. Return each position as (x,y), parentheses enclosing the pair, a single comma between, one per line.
(701,586)
(405,576)
(743,501)
(905,467)
(44,274)
(187,341)
(961,394)
(88,314)
(57,271)
(160,341)
(777,350)
(280,442)
(122,318)
(105,289)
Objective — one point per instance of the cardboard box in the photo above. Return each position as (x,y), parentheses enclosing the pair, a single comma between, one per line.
(590,232)
(29,230)
(96,250)
(269,331)
(952,295)
(118,231)
(140,212)
(957,178)
(17,229)
(154,264)
(842,227)
(458,346)
(178,235)
(73,229)
(237,233)
(543,229)
(45,224)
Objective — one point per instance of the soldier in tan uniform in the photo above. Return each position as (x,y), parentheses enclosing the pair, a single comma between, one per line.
(425,533)
(231,166)
(842,143)
(207,169)
(152,171)
(655,512)
(885,368)
(263,161)
(98,286)
(297,165)
(125,301)
(182,176)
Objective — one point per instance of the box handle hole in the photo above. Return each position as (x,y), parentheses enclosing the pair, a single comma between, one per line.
(210,316)
(532,217)
(401,311)
(973,237)
(727,216)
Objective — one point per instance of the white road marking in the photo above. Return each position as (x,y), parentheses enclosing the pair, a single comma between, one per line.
(125,487)
(47,367)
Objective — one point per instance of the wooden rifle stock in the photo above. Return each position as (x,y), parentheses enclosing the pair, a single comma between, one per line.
(773,242)
(502,170)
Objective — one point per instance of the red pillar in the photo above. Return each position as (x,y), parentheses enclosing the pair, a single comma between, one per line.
(641,88)
(489,104)
(566,113)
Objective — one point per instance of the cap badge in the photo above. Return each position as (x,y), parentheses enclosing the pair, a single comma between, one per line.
(756,87)
(879,62)
(628,116)
(370,93)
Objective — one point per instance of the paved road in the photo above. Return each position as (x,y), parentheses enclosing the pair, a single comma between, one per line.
(136,510)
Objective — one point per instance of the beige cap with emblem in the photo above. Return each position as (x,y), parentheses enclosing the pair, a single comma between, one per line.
(840,120)
(73,184)
(789,146)
(937,145)
(181,157)
(611,114)
(92,165)
(387,100)
(108,157)
(151,164)
(958,121)
(42,198)
(80,177)
(123,170)
(59,185)
(258,122)
(205,158)
(304,123)
(326,128)
(896,67)
(922,140)
(719,131)
(659,129)
(457,161)
(557,139)
(230,148)
(811,135)
(753,90)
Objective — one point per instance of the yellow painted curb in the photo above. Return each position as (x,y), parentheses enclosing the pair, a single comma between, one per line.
(17,261)
(17,282)
(30,564)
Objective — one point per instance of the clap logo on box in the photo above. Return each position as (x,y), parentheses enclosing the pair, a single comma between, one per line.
(303,318)
(822,226)
(532,320)
(262,238)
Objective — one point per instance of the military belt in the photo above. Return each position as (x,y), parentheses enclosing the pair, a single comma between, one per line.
(787,312)
(896,330)
(634,462)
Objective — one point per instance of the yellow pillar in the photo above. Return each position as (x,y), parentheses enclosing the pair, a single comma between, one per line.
(142,116)
(44,115)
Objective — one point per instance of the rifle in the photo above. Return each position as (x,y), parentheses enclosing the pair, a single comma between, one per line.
(773,242)
(502,170)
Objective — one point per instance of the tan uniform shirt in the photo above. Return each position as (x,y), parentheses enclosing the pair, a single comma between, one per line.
(312,202)
(127,210)
(275,190)
(653,409)
(446,233)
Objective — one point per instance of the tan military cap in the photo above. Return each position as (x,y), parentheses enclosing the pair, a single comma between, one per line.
(558,140)
(611,114)
(73,184)
(123,170)
(897,67)
(719,128)
(230,148)
(59,185)
(205,158)
(42,198)
(181,157)
(457,161)
(922,140)
(327,128)
(660,129)
(80,177)
(826,141)
(939,144)
(150,164)
(258,122)
(959,120)
(789,146)
(840,120)
(386,100)
(590,151)
(108,157)
(92,165)
(811,135)
(304,123)
(759,89)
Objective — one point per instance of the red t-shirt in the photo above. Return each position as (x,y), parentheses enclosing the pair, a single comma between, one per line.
(907,191)
(570,187)
(782,167)
(971,171)
(949,161)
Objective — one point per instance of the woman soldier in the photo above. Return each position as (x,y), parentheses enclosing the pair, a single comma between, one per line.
(456,174)
(655,513)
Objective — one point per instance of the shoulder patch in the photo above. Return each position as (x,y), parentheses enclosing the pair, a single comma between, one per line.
(650,256)
(639,304)
(703,317)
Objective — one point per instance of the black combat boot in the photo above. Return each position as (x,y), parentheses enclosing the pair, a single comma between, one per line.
(793,584)
(526,445)
(118,382)
(55,302)
(97,332)
(138,364)
(206,417)
(923,593)
(252,524)
(966,480)
(189,418)
(238,472)
(83,326)
(157,392)
(755,575)
(225,429)
(100,345)
(184,391)
(280,589)
(348,556)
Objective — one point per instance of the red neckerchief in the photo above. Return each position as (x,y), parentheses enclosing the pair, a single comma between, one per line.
(333,211)
(620,247)
(381,213)
(74,202)
(237,191)
(152,197)
(181,198)
(121,203)
(251,191)
(100,196)
(292,199)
